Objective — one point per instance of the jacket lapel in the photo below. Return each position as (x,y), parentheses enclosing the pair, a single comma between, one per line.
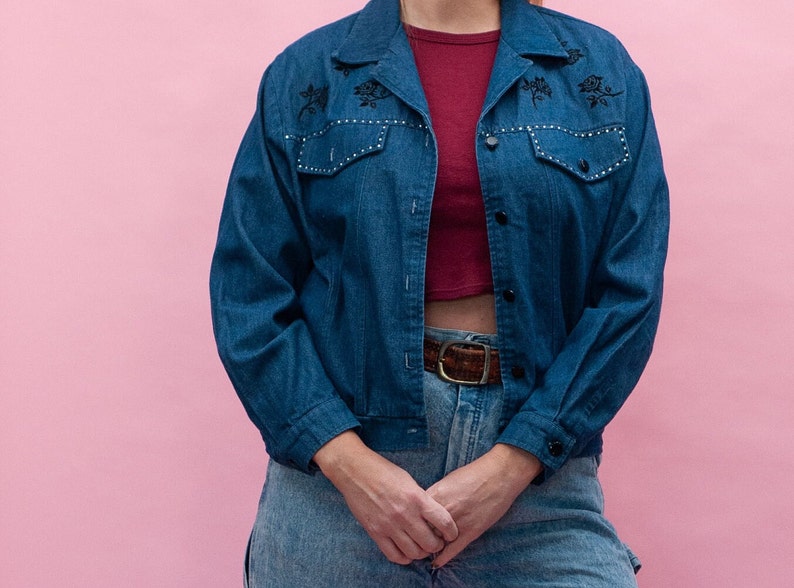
(378,38)
(525,35)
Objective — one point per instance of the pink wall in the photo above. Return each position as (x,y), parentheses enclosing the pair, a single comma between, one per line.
(126,459)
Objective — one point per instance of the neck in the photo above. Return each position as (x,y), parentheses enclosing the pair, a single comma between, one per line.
(452,16)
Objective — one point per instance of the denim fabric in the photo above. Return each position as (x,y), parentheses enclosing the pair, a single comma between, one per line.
(318,276)
(554,535)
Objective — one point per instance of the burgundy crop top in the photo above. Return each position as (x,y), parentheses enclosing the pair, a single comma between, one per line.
(455,70)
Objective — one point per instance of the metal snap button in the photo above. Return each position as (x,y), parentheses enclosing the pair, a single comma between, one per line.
(584,165)
(491,142)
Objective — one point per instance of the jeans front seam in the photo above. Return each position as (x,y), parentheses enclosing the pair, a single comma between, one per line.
(473,436)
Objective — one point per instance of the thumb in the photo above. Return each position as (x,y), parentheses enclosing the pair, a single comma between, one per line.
(450,551)
(439,518)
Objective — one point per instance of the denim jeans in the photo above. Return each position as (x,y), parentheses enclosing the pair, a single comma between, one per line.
(554,535)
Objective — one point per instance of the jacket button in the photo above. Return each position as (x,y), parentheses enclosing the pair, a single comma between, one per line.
(584,165)
(555,448)
(509,295)
(501,217)
(518,372)
(491,142)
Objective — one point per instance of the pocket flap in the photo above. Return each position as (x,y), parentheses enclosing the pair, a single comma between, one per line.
(589,155)
(328,151)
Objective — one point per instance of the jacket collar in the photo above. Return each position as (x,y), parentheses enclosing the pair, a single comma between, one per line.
(523,29)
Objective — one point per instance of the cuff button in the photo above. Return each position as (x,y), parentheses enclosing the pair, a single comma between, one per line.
(555,448)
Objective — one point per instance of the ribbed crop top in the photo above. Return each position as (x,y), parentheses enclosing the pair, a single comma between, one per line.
(454,70)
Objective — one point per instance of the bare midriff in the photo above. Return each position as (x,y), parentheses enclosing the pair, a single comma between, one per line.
(472,313)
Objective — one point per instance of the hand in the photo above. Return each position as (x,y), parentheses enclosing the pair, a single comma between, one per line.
(401,518)
(480,493)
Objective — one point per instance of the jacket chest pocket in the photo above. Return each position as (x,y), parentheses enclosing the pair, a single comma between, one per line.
(331,150)
(581,167)
(586,155)
(334,167)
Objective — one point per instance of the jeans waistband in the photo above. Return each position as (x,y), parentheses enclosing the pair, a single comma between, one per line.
(438,334)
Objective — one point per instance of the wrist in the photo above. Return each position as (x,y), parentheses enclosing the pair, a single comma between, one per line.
(336,456)
(517,463)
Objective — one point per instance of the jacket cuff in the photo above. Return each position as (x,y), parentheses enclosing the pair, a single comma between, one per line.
(543,438)
(313,430)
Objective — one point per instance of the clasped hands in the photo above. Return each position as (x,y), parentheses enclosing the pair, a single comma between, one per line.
(407,522)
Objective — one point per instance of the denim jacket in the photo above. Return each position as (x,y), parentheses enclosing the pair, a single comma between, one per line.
(317,281)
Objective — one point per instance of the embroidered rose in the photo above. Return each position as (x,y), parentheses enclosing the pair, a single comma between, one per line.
(597,90)
(574,55)
(367,88)
(371,92)
(539,88)
(316,99)
(591,84)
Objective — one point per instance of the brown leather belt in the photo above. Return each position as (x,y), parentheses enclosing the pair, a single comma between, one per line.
(462,362)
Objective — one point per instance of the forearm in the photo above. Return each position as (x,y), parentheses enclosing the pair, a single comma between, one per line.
(342,455)
(518,466)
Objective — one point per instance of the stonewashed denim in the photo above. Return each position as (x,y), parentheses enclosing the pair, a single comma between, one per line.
(554,534)
(317,281)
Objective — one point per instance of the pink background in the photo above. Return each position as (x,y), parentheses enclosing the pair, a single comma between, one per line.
(126,459)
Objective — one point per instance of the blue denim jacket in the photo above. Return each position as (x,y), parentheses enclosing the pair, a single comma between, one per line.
(317,281)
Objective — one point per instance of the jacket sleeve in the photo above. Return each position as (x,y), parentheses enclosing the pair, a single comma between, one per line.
(605,353)
(261,260)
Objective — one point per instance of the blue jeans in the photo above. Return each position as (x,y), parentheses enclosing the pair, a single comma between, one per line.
(554,535)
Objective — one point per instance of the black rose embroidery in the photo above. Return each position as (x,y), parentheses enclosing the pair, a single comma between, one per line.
(598,92)
(540,89)
(591,84)
(371,92)
(316,99)
(574,55)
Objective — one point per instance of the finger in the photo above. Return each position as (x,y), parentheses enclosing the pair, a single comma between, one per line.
(408,547)
(439,518)
(426,537)
(393,553)
(449,552)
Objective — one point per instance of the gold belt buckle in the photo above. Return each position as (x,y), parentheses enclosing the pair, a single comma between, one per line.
(442,375)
